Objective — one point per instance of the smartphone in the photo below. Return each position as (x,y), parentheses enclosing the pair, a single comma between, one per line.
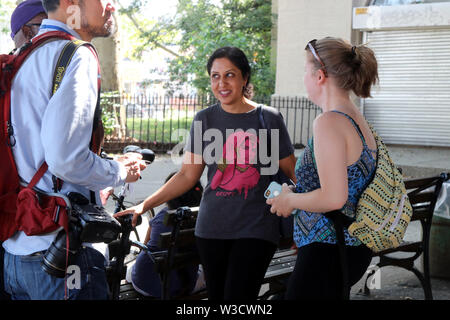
(273,190)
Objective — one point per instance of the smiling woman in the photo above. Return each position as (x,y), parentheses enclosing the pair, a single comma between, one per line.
(230,75)
(233,220)
(235,233)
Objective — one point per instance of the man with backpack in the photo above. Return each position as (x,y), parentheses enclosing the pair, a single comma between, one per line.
(25,22)
(55,130)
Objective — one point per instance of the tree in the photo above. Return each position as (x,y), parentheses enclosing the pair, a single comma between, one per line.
(202,26)
(206,26)
(6,9)
(160,31)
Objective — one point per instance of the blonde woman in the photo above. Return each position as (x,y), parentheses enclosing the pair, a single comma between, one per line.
(337,164)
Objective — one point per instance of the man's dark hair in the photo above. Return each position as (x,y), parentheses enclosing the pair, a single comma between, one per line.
(50,5)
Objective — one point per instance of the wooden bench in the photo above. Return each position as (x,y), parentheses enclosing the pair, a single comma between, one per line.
(278,272)
(177,253)
(423,194)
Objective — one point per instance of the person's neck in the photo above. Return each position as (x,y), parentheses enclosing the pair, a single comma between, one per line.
(62,17)
(241,106)
(84,35)
(335,99)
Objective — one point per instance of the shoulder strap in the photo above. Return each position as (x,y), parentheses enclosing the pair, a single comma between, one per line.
(338,220)
(259,111)
(63,62)
(10,70)
(263,125)
(61,67)
(355,125)
(280,175)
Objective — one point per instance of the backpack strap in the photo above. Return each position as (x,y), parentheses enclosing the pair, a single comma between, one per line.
(262,125)
(355,125)
(98,132)
(10,70)
(338,221)
(38,175)
(63,62)
(60,70)
(61,67)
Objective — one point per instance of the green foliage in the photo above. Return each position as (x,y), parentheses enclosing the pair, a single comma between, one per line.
(110,102)
(202,26)
(157,130)
(206,26)
(144,33)
(6,9)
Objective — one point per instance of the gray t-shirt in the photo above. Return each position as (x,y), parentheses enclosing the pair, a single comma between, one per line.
(233,204)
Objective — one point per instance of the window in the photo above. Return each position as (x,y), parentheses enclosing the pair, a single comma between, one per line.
(400,2)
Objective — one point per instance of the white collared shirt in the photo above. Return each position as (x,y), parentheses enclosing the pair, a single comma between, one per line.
(57,129)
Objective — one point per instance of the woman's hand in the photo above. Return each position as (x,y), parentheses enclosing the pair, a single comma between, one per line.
(136,211)
(281,205)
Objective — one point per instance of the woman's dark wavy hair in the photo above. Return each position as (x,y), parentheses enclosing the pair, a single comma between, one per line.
(189,199)
(239,59)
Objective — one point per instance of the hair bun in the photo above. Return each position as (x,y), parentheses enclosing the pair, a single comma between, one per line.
(355,57)
(354,67)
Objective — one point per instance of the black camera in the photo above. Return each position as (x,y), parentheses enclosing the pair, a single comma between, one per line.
(87,223)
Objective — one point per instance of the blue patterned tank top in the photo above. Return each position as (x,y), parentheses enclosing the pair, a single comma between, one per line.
(312,227)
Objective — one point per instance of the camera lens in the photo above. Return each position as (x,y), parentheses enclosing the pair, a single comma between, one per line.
(54,260)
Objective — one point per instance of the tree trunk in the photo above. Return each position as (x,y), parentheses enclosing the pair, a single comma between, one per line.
(109,53)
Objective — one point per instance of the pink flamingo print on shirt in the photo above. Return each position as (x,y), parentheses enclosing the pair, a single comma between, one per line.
(236,172)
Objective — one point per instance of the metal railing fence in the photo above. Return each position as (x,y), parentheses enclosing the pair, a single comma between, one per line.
(154,120)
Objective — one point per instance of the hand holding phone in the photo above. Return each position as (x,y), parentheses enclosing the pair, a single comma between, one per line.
(273,190)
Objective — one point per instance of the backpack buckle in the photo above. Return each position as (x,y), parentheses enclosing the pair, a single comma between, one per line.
(10,131)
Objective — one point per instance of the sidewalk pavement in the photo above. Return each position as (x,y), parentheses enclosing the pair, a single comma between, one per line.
(396,283)
(421,161)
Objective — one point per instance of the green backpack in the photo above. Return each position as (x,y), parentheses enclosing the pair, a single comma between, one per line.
(383,211)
